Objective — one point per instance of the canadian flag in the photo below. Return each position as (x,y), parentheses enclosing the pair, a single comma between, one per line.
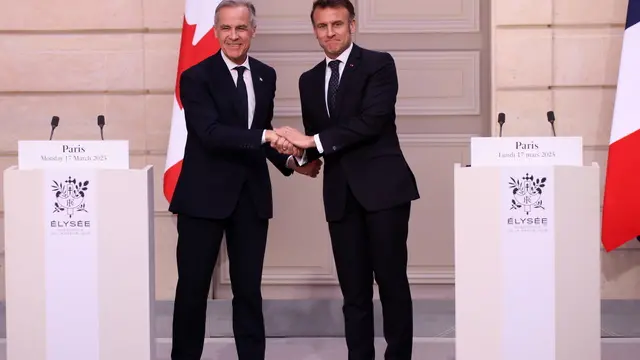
(621,205)
(198,42)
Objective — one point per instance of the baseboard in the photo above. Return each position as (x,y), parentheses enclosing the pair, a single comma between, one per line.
(323,318)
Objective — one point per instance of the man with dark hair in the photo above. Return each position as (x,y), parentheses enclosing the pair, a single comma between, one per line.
(348,111)
(224,185)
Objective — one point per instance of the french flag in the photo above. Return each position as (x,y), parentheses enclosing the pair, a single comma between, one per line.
(621,206)
(198,43)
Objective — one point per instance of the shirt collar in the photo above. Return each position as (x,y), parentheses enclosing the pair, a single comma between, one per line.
(343,57)
(231,64)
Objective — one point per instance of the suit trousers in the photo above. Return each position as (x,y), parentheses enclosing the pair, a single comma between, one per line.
(367,245)
(197,251)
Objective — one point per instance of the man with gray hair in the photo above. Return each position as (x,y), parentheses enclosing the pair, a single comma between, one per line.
(224,186)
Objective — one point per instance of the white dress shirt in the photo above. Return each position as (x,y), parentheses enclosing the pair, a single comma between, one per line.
(327,72)
(248,80)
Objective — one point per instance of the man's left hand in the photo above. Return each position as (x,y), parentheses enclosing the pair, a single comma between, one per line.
(311,169)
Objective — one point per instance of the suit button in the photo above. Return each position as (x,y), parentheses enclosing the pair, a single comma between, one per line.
(335,148)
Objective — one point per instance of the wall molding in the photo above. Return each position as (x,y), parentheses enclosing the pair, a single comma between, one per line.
(300,25)
(288,275)
(463,81)
(431,275)
(446,140)
(289,105)
(459,70)
(321,274)
(467,20)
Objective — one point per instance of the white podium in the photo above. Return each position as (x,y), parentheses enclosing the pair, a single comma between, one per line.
(79,253)
(527,252)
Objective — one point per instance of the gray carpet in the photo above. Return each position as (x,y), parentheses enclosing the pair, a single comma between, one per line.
(313,330)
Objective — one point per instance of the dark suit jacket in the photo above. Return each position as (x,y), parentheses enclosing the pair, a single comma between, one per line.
(221,153)
(360,143)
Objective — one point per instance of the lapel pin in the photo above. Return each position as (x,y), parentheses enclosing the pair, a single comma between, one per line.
(351,65)
(260,79)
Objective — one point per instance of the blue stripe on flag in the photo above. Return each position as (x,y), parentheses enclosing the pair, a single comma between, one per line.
(633,13)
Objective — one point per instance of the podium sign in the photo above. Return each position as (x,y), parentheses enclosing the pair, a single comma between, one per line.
(543,150)
(87,154)
(527,287)
(79,253)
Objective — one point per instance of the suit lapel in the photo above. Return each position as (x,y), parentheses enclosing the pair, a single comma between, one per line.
(319,93)
(222,75)
(227,87)
(259,92)
(350,68)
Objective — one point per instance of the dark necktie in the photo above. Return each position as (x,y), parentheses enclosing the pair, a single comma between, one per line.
(334,81)
(243,97)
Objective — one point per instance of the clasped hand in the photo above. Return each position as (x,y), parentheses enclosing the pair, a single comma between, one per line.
(289,141)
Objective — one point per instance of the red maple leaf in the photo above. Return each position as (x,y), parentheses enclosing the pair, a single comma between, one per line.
(192,54)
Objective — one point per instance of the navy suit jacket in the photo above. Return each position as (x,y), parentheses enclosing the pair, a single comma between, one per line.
(360,142)
(221,153)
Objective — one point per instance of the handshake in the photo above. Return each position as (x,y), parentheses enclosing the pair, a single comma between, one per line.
(289,141)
